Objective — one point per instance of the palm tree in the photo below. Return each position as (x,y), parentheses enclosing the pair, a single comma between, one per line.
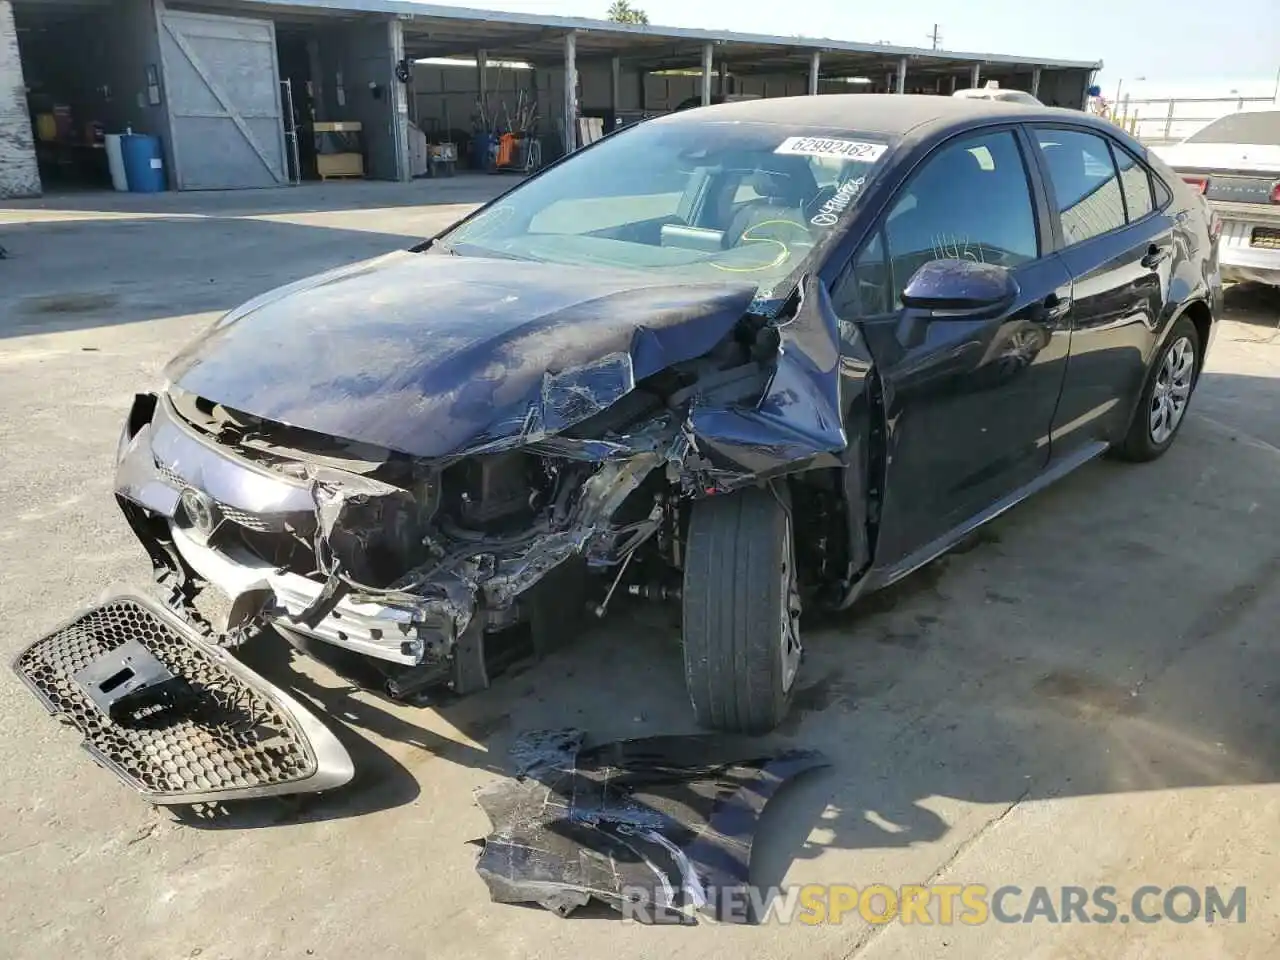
(620,11)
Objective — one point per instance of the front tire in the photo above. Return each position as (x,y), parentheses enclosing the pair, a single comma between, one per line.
(1165,397)
(741,611)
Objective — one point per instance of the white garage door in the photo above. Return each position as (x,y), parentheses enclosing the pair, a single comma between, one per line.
(223,92)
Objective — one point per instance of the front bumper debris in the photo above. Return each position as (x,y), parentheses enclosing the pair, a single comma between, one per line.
(659,828)
(173,716)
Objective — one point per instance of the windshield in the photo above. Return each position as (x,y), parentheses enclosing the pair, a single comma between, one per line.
(1262,127)
(709,200)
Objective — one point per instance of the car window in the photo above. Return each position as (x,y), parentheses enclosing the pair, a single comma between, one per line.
(1084,181)
(1136,183)
(969,201)
(864,290)
(1163,195)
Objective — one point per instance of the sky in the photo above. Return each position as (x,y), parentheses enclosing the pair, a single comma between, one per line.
(1177,45)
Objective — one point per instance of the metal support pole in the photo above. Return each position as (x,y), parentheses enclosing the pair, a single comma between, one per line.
(954,83)
(902,75)
(1035,82)
(570,92)
(291,132)
(400,93)
(815,67)
(975,75)
(615,83)
(708,56)
(482,73)
(723,88)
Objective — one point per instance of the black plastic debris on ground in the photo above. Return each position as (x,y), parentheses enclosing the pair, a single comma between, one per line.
(658,828)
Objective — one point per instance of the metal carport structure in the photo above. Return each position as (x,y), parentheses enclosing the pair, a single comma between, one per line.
(573,43)
(365,41)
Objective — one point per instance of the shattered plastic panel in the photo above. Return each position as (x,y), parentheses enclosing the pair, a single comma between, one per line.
(660,827)
(798,421)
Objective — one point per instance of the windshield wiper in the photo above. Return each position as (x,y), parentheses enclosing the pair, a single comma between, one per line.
(432,246)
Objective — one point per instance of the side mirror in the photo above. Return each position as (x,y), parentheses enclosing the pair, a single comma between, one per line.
(953,290)
(960,289)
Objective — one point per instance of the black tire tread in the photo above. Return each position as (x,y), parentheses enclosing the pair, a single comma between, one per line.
(731,610)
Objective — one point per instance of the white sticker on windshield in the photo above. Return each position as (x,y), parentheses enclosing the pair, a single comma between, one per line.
(827,147)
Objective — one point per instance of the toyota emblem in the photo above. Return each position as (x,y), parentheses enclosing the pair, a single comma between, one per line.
(200,510)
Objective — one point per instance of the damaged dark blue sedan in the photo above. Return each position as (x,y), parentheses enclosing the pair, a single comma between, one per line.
(757,357)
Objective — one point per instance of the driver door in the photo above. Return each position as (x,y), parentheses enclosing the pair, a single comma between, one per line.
(968,402)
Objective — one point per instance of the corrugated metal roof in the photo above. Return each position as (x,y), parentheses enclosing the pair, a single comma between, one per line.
(891,116)
(468,23)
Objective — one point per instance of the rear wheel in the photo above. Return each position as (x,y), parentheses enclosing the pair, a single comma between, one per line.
(1165,397)
(741,617)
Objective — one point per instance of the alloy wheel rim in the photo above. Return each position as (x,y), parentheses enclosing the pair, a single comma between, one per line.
(1172,390)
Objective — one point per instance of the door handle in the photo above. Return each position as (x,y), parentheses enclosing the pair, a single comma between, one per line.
(1155,256)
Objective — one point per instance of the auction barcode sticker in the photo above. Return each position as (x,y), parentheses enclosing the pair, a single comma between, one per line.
(827,147)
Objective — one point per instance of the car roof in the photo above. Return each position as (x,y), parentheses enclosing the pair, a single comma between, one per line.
(891,115)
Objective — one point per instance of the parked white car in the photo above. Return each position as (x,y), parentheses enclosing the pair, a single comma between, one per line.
(1235,164)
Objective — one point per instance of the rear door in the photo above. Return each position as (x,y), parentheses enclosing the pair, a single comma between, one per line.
(1119,250)
(968,402)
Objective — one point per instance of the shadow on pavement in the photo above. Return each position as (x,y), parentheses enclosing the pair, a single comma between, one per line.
(137,257)
(70,276)
(1256,304)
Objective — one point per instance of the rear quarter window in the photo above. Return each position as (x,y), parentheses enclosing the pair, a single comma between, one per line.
(1135,181)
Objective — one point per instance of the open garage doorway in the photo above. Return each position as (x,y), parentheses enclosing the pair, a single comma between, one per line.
(91,68)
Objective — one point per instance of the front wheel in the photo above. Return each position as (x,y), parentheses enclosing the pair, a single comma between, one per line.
(1165,397)
(741,616)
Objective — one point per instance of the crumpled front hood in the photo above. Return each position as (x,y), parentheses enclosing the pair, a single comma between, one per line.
(432,355)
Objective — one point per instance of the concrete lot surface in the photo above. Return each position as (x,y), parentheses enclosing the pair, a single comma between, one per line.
(1088,694)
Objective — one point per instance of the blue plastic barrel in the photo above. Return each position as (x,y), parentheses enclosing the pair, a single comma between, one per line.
(143,163)
(482,145)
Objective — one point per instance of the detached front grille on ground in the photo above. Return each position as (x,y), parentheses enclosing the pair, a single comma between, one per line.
(219,736)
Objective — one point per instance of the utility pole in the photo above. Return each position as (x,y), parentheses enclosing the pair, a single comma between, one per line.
(936,37)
